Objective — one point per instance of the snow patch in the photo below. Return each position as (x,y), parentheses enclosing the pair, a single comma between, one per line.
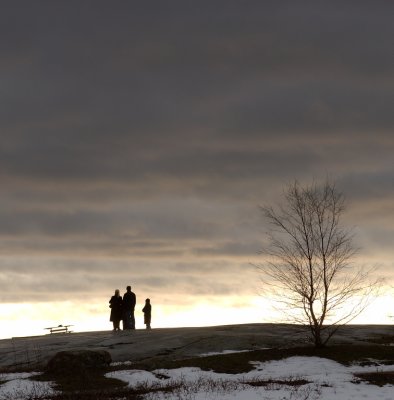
(328,379)
(18,386)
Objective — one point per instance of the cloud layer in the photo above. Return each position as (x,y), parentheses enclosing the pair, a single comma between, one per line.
(137,140)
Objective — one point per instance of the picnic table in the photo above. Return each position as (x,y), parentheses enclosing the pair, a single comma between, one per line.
(59,329)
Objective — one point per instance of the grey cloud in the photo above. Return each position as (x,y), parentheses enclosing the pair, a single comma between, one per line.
(369,184)
(71,279)
(231,249)
(128,103)
(150,133)
(156,56)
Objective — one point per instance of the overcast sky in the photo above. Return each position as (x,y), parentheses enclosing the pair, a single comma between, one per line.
(139,138)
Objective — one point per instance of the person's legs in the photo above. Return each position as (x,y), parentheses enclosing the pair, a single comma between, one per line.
(128,323)
(132,320)
(126,320)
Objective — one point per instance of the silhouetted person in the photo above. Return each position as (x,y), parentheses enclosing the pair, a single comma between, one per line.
(147,310)
(115,303)
(129,301)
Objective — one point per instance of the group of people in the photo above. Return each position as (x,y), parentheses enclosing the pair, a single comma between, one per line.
(122,309)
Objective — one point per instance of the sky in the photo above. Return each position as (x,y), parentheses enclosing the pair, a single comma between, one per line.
(138,141)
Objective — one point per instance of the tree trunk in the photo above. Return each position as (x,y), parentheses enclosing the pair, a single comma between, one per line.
(318,342)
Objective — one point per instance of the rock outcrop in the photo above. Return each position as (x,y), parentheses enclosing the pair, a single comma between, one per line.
(78,361)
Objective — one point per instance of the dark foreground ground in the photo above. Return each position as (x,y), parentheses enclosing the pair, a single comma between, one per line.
(151,347)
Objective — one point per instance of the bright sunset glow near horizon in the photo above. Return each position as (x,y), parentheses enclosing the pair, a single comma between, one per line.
(138,141)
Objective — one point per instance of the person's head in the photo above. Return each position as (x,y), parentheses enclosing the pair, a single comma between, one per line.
(117,293)
(147,301)
(128,288)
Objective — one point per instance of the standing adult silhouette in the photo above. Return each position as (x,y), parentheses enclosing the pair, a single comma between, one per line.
(129,301)
(115,303)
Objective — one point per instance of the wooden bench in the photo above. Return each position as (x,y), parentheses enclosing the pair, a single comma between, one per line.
(59,329)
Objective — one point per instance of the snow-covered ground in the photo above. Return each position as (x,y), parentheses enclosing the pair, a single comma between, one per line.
(18,386)
(328,381)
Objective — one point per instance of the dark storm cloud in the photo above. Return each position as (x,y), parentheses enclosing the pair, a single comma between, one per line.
(109,88)
(153,130)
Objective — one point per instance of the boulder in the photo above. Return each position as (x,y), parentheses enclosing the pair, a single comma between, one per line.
(78,361)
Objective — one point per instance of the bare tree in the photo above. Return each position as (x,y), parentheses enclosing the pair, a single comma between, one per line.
(309,260)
